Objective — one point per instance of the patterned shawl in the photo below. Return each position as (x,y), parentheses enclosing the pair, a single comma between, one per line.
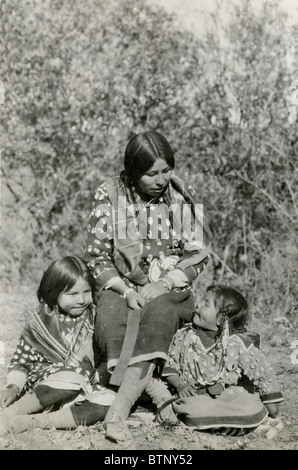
(46,333)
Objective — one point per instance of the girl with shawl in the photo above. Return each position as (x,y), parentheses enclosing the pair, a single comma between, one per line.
(147,242)
(54,362)
(207,362)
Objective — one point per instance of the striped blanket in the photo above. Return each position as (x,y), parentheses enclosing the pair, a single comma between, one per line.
(47,335)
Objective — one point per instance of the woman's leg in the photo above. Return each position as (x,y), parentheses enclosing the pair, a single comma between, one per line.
(134,383)
(110,323)
(159,319)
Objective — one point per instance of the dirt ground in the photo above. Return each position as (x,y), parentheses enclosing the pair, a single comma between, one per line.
(275,434)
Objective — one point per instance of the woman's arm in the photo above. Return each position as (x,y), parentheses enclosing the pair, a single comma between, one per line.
(100,247)
(100,241)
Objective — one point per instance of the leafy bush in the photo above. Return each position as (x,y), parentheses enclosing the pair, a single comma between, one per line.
(82,78)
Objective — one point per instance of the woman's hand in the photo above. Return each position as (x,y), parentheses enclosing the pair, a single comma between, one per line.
(153,289)
(135,300)
(185,390)
(9,395)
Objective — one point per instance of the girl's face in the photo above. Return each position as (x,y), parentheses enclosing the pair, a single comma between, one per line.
(156,179)
(75,300)
(206,313)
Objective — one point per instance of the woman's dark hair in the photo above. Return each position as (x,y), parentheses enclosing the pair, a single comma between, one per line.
(61,276)
(143,150)
(230,304)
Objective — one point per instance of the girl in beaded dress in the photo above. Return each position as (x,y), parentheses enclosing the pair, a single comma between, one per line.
(54,361)
(209,357)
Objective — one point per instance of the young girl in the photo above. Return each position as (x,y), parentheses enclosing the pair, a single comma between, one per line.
(208,357)
(54,361)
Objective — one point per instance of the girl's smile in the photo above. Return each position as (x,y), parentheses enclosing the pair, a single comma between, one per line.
(75,301)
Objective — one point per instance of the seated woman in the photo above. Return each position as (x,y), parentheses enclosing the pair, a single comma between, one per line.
(147,242)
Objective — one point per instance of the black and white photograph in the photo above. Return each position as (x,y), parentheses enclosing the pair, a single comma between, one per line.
(149,226)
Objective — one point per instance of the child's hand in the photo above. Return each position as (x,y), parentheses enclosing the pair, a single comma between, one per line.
(272,409)
(185,390)
(8,395)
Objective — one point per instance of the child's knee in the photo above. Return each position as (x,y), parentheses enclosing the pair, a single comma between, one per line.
(48,396)
(88,413)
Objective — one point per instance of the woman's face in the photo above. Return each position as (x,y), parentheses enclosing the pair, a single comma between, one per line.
(156,179)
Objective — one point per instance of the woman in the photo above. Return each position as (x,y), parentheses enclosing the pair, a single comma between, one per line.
(146,244)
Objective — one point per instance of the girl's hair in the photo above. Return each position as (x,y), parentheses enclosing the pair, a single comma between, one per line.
(231,305)
(61,276)
(142,151)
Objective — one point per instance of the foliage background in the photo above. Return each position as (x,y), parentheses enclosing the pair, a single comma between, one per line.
(81,78)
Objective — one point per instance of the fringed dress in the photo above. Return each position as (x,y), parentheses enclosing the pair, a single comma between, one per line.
(213,368)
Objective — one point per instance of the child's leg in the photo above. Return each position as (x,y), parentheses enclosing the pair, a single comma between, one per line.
(160,394)
(88,413)
(61,419)
(84,414)
(27,404)
(158,391)
(37,400)
(48,396)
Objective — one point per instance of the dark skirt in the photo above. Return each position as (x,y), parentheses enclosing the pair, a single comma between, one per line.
(139,335)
